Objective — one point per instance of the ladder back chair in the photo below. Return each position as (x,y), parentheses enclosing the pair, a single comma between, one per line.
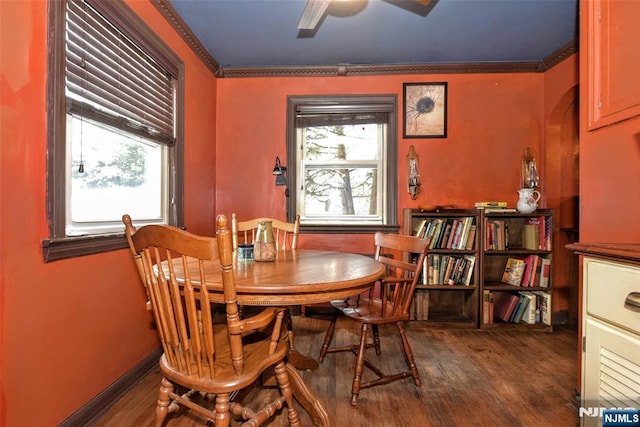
(388,302)
(285,233)
(286,237)
(216,358)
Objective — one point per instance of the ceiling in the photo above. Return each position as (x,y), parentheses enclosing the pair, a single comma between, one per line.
(263,34)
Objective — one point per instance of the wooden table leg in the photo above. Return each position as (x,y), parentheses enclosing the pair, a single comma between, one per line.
(306,399)
(296,358)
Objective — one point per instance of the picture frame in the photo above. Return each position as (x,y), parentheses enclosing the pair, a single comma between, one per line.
(425,110)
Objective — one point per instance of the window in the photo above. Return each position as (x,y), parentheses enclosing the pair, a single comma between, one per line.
(115,120)
(342,160)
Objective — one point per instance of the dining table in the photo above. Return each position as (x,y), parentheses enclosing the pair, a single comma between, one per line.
(296,277)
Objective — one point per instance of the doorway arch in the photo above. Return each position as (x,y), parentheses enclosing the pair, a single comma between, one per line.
(561,190)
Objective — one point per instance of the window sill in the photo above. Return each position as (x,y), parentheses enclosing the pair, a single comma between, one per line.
(347,228)
(71,247)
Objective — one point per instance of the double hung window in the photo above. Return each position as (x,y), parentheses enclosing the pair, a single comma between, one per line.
(342,157)
(114,122)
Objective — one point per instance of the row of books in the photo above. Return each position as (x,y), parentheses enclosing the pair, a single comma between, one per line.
(523,307)
(496,235)
(439,269)
(530,271)
(536,234)
(420,306)
(448,233)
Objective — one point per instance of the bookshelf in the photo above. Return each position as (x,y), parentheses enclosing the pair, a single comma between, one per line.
(525,239)
(449,289)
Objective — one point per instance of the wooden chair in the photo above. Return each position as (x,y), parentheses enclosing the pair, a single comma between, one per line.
(286,237)
(387,302)
(285,233)
(218,357)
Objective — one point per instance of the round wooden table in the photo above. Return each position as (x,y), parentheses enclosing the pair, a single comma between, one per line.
(298,277)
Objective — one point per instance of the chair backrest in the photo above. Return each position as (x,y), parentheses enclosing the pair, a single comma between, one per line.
(129,231)
(403,257)
(285,233)
(173,263)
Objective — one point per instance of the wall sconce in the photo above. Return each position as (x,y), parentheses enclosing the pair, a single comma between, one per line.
(413,171)
(530,178)
(280,173)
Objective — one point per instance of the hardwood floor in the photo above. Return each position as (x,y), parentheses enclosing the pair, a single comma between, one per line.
(469,378)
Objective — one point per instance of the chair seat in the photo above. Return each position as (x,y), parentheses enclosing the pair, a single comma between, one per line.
(256,360)
(367,310)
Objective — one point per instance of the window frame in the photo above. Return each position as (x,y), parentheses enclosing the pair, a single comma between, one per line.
(347,103)
(58,245)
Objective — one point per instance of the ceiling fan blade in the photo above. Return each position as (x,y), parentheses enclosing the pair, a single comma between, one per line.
(313,12)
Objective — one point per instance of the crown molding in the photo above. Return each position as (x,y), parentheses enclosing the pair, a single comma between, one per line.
(170,14)
(345,70)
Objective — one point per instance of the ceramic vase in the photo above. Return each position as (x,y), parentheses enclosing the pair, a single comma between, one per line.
(527,200)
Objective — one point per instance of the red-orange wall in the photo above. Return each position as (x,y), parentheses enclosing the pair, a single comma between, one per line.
(491,117)
(71,328)
(609,156)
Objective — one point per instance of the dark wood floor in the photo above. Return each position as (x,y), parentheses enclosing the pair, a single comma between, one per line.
(470,378)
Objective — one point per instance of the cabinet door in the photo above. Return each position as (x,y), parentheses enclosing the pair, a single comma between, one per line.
(613,60)
(611,370)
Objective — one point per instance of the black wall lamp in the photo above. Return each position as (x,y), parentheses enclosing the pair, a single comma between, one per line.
(280,172)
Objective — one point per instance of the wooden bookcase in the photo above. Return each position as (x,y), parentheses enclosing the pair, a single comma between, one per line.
(463,303)
(494,255)
(454,298)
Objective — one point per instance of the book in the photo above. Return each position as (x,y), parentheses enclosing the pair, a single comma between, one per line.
(437,233)
(491,204)
(547,234)
(522,307)
(420,229)
(469,269)
(467,222)
(491,308)
(505,305)
(544,305)
(530,264)
(445,236)
(486,300)
(529,315)
(443,266)
(531,236)
(500,210)
(513,271)
(545,271)
(427,270)
(456,229)
(472,237)
(420,305)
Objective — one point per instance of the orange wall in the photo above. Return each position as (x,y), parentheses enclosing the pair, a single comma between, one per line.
(610,183)
(492,117)
(71,328)
(609,156)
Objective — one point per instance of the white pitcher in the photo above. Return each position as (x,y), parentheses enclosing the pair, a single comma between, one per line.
(527,200)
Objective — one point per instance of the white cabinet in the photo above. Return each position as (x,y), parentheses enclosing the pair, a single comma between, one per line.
(610,336)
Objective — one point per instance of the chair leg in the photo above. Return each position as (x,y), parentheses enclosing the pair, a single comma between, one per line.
(328,337)
(357,375)
(376,339)
(166,388)
(223,408)
(408,354)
